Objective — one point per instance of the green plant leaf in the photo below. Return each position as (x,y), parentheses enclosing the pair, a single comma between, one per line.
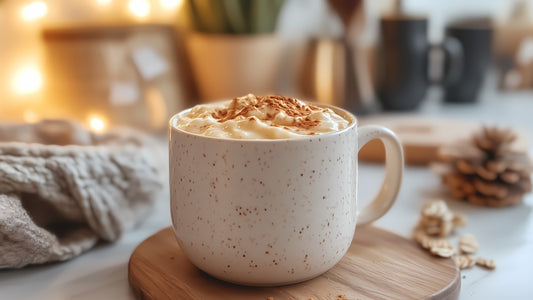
(236,15)
(265,15)
(247,8)
(210,16)
(189,15)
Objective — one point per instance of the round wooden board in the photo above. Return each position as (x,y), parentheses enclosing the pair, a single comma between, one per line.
(423,136)
(378,265)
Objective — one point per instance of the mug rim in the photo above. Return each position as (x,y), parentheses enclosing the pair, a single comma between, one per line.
(344,113)
(394,17)
(481,23)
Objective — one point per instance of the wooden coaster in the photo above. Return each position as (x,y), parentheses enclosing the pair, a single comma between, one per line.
(378,265)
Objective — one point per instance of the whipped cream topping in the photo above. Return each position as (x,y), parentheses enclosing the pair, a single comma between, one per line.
(253,117)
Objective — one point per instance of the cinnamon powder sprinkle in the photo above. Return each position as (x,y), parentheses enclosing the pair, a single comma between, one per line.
(275,104)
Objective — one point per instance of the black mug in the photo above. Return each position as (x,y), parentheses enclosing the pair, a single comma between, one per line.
(475,37)
(403,61)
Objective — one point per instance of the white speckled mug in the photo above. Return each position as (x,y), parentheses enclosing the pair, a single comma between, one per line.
(273,212)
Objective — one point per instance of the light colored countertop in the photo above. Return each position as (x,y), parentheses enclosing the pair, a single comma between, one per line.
(506,235)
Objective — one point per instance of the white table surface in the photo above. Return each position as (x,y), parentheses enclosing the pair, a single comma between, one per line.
(506,235)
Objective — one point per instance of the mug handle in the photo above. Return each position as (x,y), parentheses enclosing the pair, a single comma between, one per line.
(453,60)
(393,172)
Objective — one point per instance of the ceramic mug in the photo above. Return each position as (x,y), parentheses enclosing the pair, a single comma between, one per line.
(273,212)
(475,38)
(403,61)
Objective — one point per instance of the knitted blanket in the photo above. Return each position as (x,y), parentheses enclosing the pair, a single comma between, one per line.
(63,188)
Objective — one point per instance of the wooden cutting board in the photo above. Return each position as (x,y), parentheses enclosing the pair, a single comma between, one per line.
(378,265)
(422,137)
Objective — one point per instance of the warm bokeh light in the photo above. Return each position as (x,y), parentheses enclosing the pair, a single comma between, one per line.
(157,107)
(27,80)
(139,8)
(34,11)
(97,123)
(103,2)
(30,116)
(170,4)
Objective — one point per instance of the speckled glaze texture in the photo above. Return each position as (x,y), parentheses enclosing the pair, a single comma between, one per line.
(264,212)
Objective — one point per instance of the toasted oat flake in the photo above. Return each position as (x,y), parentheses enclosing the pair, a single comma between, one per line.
(486,263)
(464,261)
(459,220)
(442,251)
(437,244)
(436,219)
(468,244)
(436,223)
(435,209)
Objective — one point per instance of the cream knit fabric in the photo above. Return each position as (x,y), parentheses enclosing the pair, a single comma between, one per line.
(63,188)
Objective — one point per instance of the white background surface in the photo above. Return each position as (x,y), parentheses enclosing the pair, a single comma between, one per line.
(505,235)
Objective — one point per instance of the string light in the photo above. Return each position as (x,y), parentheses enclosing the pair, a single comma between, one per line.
(170,4)
(34,11)
(103,2)
(30,116)
(27,80)
(97,123)
(139,8)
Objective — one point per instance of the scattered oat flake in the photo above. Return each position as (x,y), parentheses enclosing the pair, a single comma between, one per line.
(464,261)
(438,243)
(436,219)
(342,297)
(486,263)
(459,220)
(428,242)
(270,298)
(436,223)
(435,209)
(468,243)
(442,251)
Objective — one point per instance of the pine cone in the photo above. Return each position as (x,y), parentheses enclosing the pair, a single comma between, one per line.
(486,171)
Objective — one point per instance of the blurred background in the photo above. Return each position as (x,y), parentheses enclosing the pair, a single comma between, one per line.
(137,62)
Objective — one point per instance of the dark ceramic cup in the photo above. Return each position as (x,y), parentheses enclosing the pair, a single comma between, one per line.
(475,37)
(403,61)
